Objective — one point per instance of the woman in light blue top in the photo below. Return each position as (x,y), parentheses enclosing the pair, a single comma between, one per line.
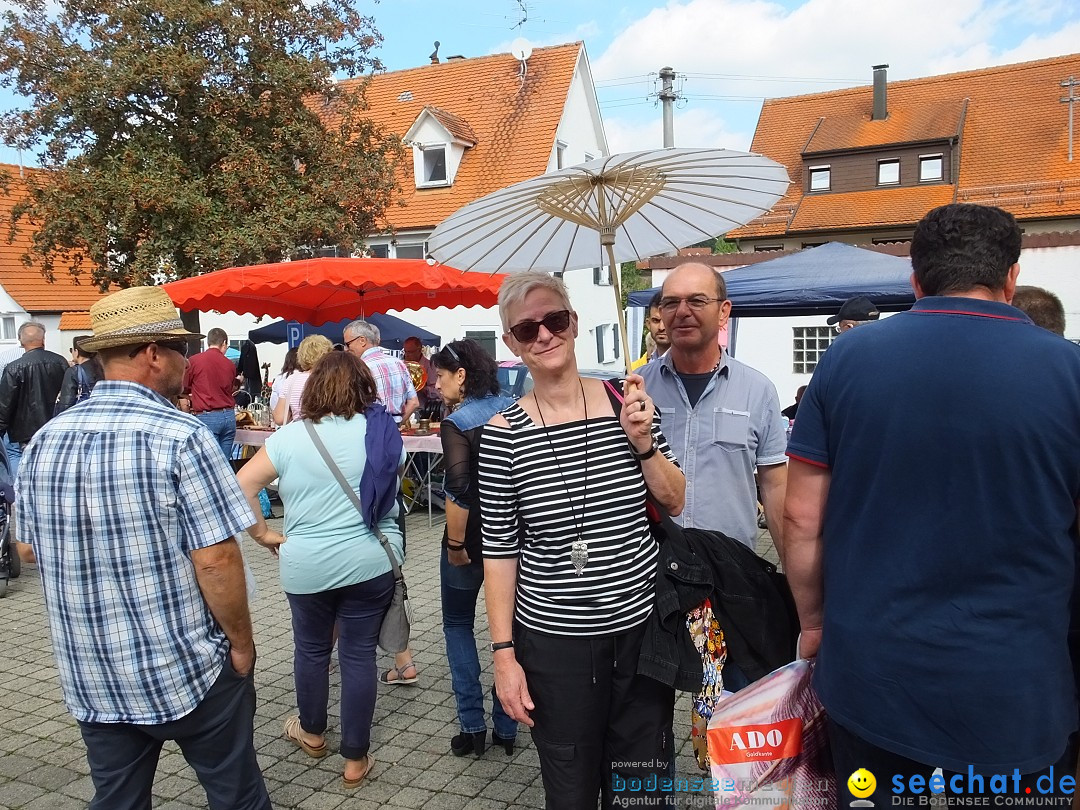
(333,569)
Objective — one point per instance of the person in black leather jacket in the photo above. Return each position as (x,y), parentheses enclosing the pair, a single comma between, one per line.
(29,388)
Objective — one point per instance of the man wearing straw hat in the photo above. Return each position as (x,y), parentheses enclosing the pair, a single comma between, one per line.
(132,510)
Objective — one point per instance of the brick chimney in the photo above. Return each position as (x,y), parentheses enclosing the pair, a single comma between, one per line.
(881,80)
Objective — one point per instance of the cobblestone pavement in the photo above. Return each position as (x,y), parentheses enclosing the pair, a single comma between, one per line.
(43,763)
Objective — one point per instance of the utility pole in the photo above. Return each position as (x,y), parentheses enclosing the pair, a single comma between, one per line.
(667,97)
(1070,99)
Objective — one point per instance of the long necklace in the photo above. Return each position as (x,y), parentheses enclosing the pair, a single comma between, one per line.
(579,549)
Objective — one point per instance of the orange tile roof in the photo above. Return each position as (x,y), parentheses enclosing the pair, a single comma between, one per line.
(455,125)
(1013,143)
(877,207)
(74,320)
(513,122)
(25,284)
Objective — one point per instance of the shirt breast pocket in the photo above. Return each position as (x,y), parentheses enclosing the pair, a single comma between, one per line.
(731,429)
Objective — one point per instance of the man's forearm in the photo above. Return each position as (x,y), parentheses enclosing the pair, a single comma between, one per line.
(410,408)
(219,570)
(773,480)
(804,547)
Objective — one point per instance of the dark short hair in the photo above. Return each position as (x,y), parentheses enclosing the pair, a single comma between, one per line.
(216,337)
(481,372)
(959,247)
(654,302)
(340,385)
(1042,306)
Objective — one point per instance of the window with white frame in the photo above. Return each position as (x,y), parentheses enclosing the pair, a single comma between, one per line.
(607,342)
(435,165)
(601,276)
(888,172)
(808,344)
(820,178)
(930,168)
(560,155)
(10,332)
(589,156)
(378,251)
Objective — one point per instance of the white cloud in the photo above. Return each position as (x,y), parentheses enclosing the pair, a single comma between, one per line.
(581,32)
(692,127)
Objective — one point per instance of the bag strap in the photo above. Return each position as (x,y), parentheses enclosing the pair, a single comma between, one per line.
(340,476)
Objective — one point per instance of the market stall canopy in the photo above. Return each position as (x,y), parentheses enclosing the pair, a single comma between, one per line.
(814,281)
(392,331)
(317,291)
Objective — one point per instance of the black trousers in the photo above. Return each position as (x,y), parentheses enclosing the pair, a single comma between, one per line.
(601,729)
(851,752)
(215,739)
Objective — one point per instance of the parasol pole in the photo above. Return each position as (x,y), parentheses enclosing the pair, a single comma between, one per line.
(607,240)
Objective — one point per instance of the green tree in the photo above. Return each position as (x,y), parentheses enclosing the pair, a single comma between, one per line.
(722,245)
(181,136)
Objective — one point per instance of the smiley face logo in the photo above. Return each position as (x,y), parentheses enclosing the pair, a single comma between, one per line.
(861,783)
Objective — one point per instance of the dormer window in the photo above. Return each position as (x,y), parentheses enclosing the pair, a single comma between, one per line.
(435,165)
(888,172)
(930,168)
(820,178)
(439,140)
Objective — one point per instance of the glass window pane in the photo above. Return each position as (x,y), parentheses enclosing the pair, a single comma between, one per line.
(888,172)
(930,168)
(411,251)
(435,165)
(9,328)
(819,179)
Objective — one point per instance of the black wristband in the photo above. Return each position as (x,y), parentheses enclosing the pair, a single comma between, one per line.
(648,453)
(501,645)
(455,547)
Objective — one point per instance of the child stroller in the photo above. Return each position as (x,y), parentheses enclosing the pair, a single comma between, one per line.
(10,565)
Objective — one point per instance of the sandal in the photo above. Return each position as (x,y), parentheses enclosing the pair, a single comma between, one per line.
(399,675)
(349,784)
(295,733)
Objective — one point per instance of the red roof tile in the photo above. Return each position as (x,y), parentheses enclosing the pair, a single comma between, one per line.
(513,122)
(25,284)
(74,320)
(1013,145)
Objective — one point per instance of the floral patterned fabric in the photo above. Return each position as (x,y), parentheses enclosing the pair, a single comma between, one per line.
(709,641)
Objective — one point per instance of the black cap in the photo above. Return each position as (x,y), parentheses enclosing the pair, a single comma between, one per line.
(856,309)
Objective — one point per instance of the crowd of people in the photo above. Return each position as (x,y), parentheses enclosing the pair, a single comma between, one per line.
(924,510)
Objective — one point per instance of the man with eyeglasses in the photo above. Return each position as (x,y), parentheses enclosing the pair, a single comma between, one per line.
(210,379)
(721,417)
(854,312)
(392,378)
(133,513)
(657,331)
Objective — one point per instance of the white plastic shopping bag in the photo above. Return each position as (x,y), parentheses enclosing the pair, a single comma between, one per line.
(769,742)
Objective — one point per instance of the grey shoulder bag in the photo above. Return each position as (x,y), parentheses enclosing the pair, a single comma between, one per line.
(394,632)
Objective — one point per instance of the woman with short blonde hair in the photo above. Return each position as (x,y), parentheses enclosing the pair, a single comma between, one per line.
(311,349)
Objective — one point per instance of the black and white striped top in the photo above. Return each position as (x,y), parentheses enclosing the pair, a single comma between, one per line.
(521,486)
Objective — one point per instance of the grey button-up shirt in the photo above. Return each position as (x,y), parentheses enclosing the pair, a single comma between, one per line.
(735,427)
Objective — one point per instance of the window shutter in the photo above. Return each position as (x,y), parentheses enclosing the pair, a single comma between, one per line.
(596,277)
(615,340)
(600,343)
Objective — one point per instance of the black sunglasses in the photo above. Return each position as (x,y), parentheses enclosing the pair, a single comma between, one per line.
(554,322)
(178,346)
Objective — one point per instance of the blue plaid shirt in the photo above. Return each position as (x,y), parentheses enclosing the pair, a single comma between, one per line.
(114,494)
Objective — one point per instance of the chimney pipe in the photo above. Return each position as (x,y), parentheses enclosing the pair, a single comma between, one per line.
(881,107)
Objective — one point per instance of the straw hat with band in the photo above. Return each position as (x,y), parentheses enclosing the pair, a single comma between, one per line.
(135,315)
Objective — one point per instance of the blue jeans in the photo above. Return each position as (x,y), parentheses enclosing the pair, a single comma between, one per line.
(14,455)
(460,588)
(222,424)
(358,611)
(215,738)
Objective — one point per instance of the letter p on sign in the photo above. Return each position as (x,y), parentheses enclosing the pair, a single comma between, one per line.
(739,744)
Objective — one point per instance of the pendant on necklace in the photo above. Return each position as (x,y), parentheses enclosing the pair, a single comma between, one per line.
(579,555)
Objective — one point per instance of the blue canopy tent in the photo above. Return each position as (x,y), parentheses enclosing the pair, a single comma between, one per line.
(815,281)
(393,331)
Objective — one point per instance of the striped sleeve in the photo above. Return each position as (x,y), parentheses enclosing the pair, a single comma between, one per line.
(498,497)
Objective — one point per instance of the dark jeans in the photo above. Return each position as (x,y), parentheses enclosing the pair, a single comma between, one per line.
(598,724)
(215,738)
(851,752)
(222,424)
(460,588)
(358,611)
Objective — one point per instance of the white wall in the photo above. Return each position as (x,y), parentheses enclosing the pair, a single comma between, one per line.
(577,127)
(1058,270)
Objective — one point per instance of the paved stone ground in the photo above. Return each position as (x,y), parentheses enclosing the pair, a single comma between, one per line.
(43,763)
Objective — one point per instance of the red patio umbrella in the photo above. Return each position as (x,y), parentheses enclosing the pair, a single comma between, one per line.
(316,291)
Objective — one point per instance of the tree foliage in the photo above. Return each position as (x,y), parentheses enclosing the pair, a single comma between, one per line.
(182,136)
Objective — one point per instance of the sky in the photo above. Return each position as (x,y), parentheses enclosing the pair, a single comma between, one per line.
(729,54)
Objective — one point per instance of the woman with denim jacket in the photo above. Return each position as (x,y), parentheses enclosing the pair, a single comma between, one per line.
(468,383)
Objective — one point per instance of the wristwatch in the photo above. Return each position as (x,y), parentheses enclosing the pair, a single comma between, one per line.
(501,645)
(648,453)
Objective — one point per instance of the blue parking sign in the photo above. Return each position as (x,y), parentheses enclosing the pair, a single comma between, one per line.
(295,333)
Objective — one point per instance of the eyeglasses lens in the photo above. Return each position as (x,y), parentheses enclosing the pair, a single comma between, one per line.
(554,322)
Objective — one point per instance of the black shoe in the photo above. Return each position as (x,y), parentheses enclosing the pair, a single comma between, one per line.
(508,745)
(469,743)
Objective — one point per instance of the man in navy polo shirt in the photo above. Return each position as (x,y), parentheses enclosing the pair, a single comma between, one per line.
(929,532)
